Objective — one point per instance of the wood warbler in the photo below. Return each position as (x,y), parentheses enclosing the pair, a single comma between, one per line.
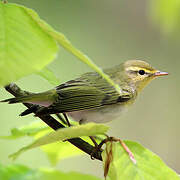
(90,98)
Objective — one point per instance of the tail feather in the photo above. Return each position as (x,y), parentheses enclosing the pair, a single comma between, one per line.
(34,108)
(14,100)
(43,99)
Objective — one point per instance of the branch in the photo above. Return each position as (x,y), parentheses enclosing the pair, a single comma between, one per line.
(53,123)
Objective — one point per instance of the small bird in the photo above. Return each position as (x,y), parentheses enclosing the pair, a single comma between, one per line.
(90,98)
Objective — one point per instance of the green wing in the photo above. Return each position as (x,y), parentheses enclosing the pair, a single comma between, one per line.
(84,94)
(79,98)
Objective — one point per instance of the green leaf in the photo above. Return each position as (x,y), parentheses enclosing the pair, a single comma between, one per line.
(64,42)
(31,129)
(149,166)
(28,44)
(89,129)
(166,13)
(25,47)
(49,76)
(59,151)
(55,151)
(20,172)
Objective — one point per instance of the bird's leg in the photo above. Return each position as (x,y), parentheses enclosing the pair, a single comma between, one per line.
(67,120)
(64,120)
(61,118)
(92,139)
(96,146)
(131,156)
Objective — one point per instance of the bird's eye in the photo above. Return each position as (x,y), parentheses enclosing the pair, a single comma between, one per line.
(141,72)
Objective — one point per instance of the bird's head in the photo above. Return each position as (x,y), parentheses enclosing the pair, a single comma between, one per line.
(140,73)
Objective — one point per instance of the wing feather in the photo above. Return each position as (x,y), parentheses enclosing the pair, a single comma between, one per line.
(84,94)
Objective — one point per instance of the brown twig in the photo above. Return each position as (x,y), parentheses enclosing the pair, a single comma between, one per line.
(54,124)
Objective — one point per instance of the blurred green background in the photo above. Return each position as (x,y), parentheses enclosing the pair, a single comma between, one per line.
(110,32)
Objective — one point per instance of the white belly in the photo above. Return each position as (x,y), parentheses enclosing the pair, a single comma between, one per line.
(98,115)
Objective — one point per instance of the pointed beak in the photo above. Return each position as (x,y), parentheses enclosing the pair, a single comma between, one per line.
(159,73)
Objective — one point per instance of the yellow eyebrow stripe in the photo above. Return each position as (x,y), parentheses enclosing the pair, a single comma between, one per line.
(135,68)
